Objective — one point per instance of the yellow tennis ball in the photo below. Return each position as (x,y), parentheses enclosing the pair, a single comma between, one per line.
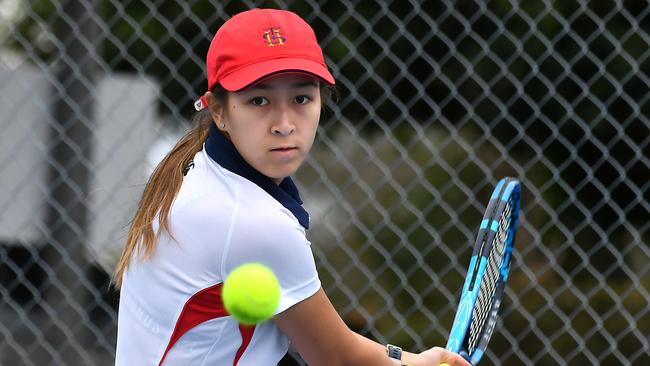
(251,293)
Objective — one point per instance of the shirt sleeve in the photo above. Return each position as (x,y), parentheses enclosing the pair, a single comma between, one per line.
(274,238)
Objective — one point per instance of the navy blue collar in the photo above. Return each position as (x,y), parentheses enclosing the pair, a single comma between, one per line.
(221,150)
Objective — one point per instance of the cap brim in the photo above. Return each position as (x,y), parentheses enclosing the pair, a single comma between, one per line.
(253,73)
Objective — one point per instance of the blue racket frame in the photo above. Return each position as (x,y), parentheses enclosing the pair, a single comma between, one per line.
(507,189)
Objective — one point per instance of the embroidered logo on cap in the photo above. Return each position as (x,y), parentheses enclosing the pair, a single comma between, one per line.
(274,37)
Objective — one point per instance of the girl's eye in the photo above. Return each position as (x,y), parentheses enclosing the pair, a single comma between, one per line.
(303,99)
(259,101)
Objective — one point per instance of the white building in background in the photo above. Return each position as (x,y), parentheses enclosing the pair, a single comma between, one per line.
(126,139)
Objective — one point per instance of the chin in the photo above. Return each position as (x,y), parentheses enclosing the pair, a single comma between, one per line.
(279,176)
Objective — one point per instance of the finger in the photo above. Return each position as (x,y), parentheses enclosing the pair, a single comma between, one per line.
(454,359)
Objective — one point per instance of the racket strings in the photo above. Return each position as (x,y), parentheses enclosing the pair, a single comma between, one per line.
(489,281)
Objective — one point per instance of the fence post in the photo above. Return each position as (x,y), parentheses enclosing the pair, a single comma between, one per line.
(76,71)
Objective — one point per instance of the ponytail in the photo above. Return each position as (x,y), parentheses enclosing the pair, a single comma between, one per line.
(159,194)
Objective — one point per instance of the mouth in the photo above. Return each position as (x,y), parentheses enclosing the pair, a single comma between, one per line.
(285,152)
(282,149)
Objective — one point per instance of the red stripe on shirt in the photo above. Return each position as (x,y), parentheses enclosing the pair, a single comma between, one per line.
(201,307)
(246,336)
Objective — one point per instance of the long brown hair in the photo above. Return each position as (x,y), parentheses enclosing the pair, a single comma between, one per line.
(165,182)
(159,194)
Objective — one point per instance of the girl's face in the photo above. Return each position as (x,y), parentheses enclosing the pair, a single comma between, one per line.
(273,124)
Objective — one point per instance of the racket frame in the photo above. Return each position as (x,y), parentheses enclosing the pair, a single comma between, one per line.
(507,189)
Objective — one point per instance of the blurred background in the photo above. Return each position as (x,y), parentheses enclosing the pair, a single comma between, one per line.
(438,100)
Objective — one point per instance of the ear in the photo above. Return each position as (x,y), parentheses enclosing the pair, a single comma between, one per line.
(216,109)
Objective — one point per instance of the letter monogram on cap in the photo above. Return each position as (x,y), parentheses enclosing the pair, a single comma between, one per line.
(274,37)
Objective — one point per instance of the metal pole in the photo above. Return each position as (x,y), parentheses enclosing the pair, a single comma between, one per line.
(68,290)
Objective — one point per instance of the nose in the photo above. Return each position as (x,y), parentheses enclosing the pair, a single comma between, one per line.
(283,124)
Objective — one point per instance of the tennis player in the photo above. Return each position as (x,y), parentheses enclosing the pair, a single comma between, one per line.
(222,197)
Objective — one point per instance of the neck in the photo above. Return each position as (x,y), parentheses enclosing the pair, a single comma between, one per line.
(223,152)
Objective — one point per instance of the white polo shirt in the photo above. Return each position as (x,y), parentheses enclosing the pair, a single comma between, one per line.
(170,310)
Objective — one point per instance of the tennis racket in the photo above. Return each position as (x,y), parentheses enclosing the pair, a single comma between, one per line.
(487,274)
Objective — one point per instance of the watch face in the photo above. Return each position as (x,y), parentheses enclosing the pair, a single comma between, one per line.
(394,352)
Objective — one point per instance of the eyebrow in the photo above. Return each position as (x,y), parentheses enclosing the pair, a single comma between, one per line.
(296,85)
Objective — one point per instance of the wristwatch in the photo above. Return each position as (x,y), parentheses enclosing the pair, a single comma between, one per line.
(394,352)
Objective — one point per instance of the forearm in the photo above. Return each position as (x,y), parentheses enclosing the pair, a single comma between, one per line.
(431,357)
(408,358)
(322,338)
(369,352)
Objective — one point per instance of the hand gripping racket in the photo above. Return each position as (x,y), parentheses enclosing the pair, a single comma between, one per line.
(487,274)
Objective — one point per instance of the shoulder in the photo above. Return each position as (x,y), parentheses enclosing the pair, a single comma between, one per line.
(200,178)
(202,210)
(259,215)
(265,231)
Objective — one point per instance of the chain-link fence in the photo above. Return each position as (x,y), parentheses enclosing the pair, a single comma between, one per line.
(438,100)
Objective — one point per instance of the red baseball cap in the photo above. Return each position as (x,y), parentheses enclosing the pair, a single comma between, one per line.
(258,43)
